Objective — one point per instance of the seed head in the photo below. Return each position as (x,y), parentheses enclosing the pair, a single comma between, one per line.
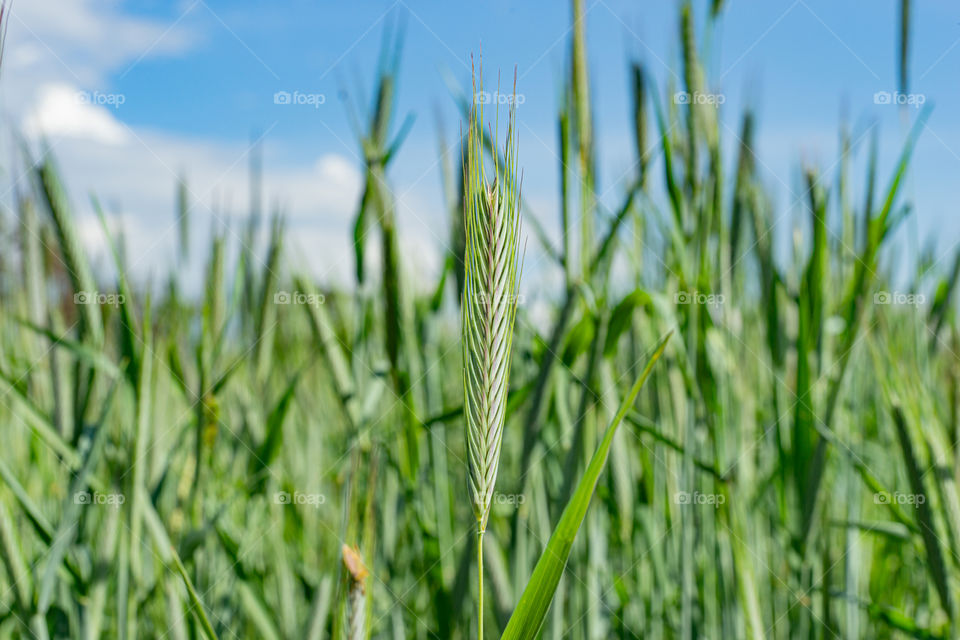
(492,220)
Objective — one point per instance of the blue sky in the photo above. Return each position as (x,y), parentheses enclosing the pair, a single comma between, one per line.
(198,78)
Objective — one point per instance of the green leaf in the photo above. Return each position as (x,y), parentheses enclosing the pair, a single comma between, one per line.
(621,319)
(36,420)
(928,529)
(83,352)
(532,608)
(271,443)
(197,604)
(254,607)
(70,521)
(579,339)
(74,256)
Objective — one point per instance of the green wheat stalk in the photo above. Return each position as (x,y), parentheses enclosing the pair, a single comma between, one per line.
(492,221)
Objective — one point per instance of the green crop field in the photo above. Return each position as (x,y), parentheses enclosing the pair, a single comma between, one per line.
(701,437)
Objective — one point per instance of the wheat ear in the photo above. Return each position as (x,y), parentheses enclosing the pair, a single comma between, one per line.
(489,305)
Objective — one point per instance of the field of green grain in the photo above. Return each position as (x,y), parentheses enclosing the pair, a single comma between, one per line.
(705,437)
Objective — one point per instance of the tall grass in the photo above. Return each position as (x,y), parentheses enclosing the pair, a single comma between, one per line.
(254,464)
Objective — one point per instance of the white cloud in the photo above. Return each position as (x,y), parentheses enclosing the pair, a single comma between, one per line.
(136,181)
(63,110)
(87,38)
(339,171)
(59,60)
(77,43)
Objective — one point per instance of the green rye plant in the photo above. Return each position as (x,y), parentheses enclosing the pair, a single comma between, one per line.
(492,225)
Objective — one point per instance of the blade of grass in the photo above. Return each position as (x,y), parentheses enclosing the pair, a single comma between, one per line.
(928,531)
(529,614)
(196,604)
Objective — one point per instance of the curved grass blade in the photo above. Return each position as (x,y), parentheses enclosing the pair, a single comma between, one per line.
(254,607)
(928,529)
(41,525)
(21,581)
(197,604)
(69,527)
(94,357)
(36,420)
(274,437)
(532,608)
(74,257)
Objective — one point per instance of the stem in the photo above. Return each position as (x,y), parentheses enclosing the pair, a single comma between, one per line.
(480,583)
